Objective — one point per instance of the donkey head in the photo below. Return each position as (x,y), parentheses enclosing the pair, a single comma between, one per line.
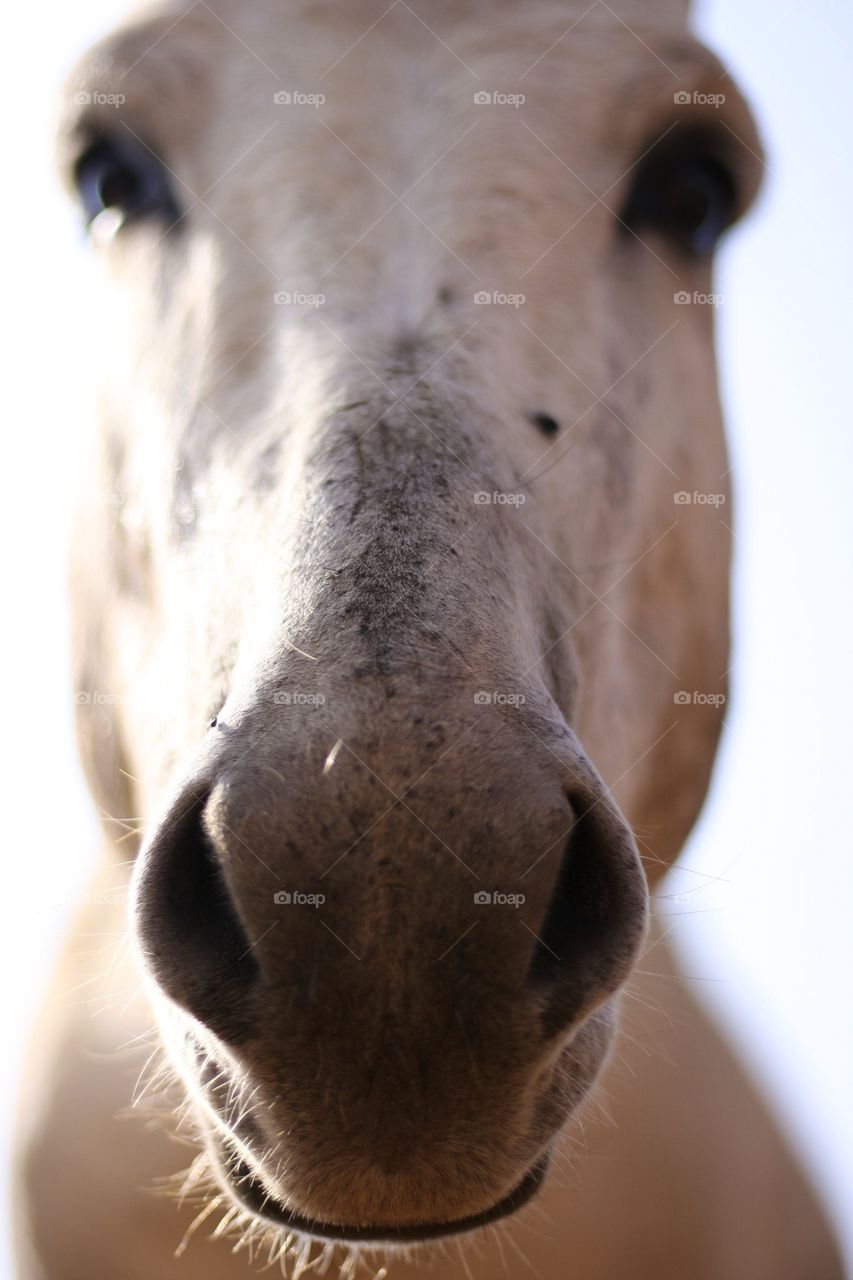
(389,537)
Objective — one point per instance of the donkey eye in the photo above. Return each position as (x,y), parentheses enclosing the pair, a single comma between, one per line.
(685,192)
(119,181)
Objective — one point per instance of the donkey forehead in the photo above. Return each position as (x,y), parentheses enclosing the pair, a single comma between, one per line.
(327,146)
(369,94)
(191,40)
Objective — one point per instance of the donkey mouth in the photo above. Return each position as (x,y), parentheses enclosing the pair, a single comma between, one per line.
(226,1137)
(251,1194)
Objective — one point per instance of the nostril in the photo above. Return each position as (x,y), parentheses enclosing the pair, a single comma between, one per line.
(189,930)
(594,921)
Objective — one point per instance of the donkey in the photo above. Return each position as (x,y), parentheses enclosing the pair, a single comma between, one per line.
(400,649)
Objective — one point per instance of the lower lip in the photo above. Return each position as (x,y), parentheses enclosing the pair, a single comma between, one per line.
(251,1195)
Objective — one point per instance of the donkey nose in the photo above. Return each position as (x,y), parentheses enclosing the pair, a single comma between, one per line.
(193,939)
(443,955)
(595,918)
(209,889)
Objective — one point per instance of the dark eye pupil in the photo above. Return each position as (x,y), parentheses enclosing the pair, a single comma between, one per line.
(117,187)
(125,178)
(701,201)
(686,194)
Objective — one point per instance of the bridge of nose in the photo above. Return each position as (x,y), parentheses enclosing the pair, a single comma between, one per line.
(381,757)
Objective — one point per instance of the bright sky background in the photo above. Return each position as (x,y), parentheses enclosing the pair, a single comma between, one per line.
(771,935)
